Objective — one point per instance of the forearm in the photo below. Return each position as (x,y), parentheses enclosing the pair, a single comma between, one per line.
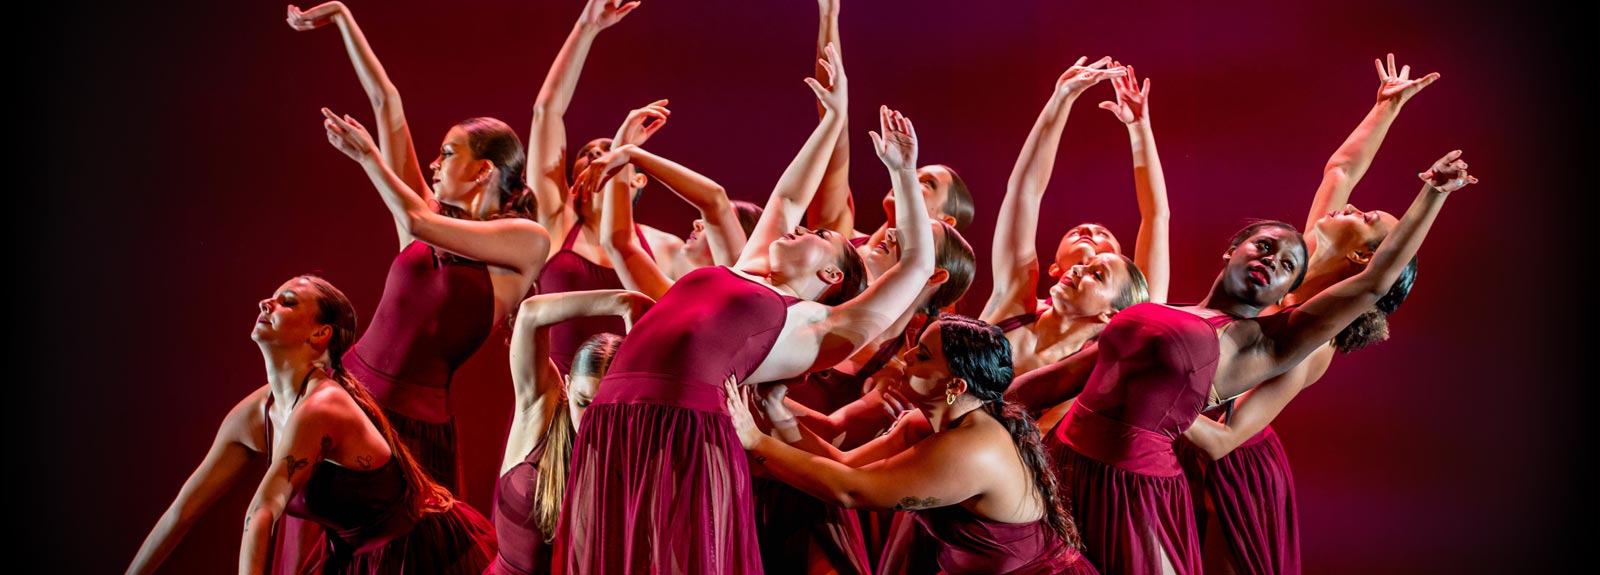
(831,208)
(818,476)
(562,79)
(1403,242)
(707,196)
(163,538)
(636,269)
(1152,252)
(1017,227)
(911,218)
(801,178)
(255,547)
(408,209)
(1351,160)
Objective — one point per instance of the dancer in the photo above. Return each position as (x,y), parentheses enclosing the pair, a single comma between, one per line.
(468,252)
(335,459)
(980,485)
(1243,467)
(533,474)
(580,263)
(676,497)
(1157,367)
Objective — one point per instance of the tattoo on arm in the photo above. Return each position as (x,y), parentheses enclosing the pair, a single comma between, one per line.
(295,464)
(913,504)
(327,447)
(760,459)
(365,461)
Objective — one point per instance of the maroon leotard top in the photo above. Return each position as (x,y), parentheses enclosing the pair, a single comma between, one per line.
(713,324)
(1152,377)
(566,271)
(436,311)
(365,509)
(523,549)
(971,544)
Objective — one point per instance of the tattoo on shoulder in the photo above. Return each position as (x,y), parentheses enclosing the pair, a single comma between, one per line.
(913,504)
(327,447)
(295,464)
(760,459)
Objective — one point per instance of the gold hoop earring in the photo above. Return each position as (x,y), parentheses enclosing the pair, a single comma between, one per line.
(949,397)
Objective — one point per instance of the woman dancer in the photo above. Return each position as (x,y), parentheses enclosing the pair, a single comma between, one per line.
(467,252)
(533,474)
(1243,467)
(980,485)
(1157,367)
(658,480)
(335,459)
(580,263)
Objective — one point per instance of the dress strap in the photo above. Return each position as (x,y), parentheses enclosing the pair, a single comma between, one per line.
(639,231)
(572,234)
(1009,324)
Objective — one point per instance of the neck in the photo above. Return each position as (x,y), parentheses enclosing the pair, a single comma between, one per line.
(1220,300)
(941,415)
(286,371)
(806,288)
(1056,329)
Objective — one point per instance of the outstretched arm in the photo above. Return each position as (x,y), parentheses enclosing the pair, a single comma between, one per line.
(1153,252)
(514,243)
(637,270)
(536,384)
(547,139)
(1349,163)
(216,473)
(799,181)
(1054,384)
(1015,257)
(723,233)
(1283,343)
(833,208)
(394,136)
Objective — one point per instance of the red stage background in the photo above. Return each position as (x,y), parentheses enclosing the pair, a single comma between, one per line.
(177,171)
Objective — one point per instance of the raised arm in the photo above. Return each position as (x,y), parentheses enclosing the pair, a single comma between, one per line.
(799,181)
(1283,343)
(1152,253)
(723,233)
(514,243)
(637,270)
(833,208)
(1349,163)
(216,473)
(394,136)
(536,383)
(547,139)
(1014,257)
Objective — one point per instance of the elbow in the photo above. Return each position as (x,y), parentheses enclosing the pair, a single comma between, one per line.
(1337,170)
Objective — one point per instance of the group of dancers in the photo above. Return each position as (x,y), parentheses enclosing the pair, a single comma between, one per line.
(781,392)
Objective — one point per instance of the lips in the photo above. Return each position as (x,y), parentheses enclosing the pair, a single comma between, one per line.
(1258,273)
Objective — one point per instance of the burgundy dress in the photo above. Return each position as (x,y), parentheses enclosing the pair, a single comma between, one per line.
(659,481)
(567,271)
(1115,448)
(436,311)
(367,529)
(969,544)
(523,550)
(1251,491)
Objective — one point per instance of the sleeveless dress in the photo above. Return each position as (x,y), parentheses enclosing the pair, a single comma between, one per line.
(367,529)
(659,481)
(436,311)
(523,550)
(1115,450)
(967,544)
(567,271)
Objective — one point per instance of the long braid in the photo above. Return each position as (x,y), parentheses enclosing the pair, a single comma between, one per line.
(979,353)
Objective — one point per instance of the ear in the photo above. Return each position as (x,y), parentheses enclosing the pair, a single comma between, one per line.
(1359,257)
(957,386)
(830,275)
(948,220)
(1105,316)
(319,338)
(1055,271)
(1227,255)
(639,181)
(485,172)
(939,277)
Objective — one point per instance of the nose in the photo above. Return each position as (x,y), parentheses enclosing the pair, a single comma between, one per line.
(435,164)
(265,305)
(699,225)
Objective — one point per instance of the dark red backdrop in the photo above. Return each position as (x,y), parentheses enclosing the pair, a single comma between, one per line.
(178,168)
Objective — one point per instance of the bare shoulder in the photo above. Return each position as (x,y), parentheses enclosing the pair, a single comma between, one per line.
(246,423)
(327,404)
